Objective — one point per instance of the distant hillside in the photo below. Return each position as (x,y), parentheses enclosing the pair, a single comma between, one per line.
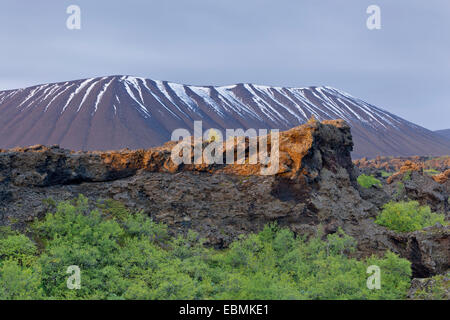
(445,133)
(123,111)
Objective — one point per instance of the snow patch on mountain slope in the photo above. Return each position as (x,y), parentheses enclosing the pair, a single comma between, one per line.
(276,104)
(76,92)
(100,95)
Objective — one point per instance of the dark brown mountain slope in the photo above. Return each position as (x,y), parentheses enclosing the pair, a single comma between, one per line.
(121,111)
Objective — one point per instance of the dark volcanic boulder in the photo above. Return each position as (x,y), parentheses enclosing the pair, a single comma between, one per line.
(418,186)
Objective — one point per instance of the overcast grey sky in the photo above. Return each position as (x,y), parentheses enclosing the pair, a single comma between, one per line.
(403,68)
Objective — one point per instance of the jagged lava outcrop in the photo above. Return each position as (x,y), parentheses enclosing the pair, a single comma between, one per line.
(315,185)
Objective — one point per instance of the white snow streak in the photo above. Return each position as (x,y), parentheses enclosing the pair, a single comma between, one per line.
(205,94)
(143,109)
(144,81)
(76,92)
(30,95)
(60,93)
(86,95)
(100,95)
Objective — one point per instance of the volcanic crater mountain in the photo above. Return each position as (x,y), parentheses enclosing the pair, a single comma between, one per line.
(118,112)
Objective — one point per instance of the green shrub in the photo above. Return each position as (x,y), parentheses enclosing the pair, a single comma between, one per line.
(408,216)
(113,209)
(17,247)
(128,256)
(407,175)
(367,182)
(400,190)
(19,283)
(386,174)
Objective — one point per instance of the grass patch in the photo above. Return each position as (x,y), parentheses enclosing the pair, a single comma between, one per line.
(386,174)
(408,216)
(367,182)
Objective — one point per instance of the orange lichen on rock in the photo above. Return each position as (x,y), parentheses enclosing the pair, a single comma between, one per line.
(442,177)
(294,145)
(411,166)
(408,166)
(301,153)
(391,164)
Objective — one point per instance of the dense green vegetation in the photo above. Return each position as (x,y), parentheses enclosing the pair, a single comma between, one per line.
(408,216)
(367,182)
(128,256)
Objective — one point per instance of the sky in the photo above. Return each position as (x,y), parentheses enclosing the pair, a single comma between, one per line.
(404,67)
